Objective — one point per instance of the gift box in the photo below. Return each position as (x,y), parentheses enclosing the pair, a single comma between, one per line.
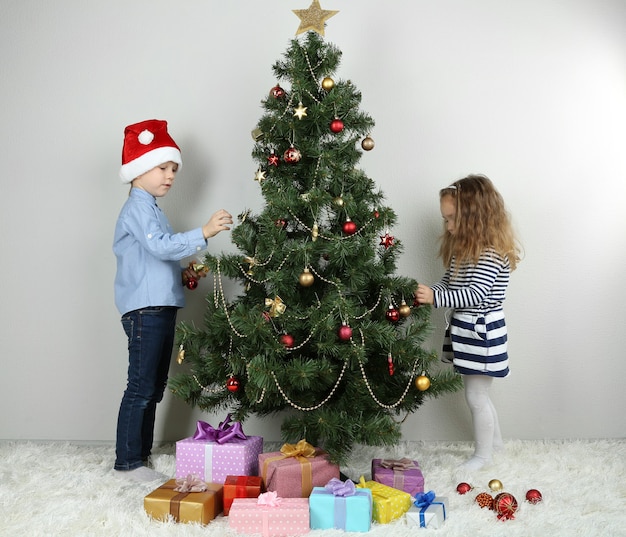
(428,511)
(182,503)
(342,506)
(240,486)
(214,454)
(270,515)
(403,474)
(388,503)
(293,471)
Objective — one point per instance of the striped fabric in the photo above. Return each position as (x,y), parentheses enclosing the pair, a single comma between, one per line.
(476,338)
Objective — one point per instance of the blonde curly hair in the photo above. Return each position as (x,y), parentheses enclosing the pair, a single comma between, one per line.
(482,223)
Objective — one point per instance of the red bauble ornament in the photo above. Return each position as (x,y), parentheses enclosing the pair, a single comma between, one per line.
(534,496)
(392,314)
(292,155)
(345,332)
(232,384)
(505,505)
(273,159)
(349,227)
(390,365)
(191,283)
(484,499)
(277,92)
(287,340)
(463,488)
(376,214)
(336,125)
(281,222)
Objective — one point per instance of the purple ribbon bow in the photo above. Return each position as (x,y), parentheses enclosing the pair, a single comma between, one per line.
(338,488)
(424,499)
(224,433)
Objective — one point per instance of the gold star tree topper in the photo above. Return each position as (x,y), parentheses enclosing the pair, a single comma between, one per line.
(313,18)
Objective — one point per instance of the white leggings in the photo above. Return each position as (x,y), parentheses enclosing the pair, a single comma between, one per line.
(487,434)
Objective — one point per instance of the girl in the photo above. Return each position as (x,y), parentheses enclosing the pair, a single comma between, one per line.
(480,250)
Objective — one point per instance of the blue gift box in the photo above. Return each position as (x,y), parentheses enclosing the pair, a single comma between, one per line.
(351,512)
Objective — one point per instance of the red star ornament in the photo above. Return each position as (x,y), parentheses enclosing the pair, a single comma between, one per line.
(386,240)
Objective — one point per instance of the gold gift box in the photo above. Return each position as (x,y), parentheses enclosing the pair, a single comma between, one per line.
(185,506)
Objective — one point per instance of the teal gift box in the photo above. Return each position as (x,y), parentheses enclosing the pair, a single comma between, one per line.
(428,511)
(341,506)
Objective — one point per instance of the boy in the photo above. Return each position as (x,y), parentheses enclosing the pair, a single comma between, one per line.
(149,285)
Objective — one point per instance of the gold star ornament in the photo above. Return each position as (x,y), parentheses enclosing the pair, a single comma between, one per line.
(313,19)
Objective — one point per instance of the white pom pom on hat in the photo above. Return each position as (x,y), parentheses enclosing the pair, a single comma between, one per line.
(147,144)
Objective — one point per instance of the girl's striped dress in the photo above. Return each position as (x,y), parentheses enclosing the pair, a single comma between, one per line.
(476,337)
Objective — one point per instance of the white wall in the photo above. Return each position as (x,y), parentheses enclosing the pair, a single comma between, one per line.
(531,93)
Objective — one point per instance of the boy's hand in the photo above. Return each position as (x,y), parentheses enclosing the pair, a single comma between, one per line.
(220,221)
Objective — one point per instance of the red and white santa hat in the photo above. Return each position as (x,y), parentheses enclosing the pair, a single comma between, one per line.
(147,144)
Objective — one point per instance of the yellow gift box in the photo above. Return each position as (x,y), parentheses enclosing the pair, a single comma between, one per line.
(389,503)
(185,506)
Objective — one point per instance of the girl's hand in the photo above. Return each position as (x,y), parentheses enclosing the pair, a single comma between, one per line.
(424,294)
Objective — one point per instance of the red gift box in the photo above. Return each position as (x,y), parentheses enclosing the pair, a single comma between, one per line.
(240,486)
(293,471)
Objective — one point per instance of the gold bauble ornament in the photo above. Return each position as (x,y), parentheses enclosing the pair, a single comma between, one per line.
(495,485)
(367,143)
(422,383)
(338,201)
(181,354)
(306,279)
(328,84)
(404,309)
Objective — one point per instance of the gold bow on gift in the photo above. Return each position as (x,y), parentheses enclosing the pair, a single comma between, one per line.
(276,306)
(301,449)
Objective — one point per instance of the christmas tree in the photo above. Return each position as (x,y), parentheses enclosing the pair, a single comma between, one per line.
(323,327)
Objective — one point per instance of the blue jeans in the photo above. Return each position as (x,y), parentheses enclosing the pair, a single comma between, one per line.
(150,333)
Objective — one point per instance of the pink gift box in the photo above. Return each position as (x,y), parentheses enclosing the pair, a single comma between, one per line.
(213,461)
(290,517)
(401,474)
(295,477)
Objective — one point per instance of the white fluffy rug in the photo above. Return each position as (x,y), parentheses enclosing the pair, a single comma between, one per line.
(64,489)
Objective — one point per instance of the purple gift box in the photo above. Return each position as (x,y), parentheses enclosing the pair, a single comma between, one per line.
(402,474)
(214,454)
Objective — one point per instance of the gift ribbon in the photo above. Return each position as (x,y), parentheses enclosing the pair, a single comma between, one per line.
(224,433)
(191,483)
(269,500)
(424,500)
(398,466)
(341,490)
(276,306)
(302,451)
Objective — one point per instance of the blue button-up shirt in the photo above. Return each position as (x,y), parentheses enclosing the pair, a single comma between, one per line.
(148,255)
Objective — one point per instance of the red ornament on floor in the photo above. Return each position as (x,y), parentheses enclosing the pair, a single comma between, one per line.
(505,505)
(463,488)
(533,496)
(484,499)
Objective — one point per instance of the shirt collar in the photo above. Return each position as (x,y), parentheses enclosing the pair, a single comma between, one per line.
(140,193)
